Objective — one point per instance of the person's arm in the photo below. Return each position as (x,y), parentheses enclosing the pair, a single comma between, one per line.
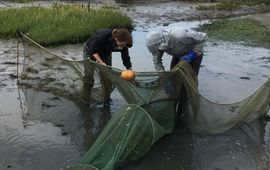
(190,56)
(99,60)
(94,45)
(198,49)
(126,58)
(200,39)
(157,60)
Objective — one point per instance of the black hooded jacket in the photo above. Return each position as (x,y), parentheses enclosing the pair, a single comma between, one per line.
(103,44)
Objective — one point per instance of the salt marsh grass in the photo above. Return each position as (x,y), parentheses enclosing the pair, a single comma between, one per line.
(246,31)
(60,23)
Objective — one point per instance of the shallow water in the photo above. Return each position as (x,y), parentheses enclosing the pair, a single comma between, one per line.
(55,132)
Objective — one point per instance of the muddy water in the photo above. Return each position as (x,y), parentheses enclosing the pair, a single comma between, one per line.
(42,131)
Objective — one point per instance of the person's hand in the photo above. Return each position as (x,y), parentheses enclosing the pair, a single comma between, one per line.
(189,57)
(134,82)
(102,63)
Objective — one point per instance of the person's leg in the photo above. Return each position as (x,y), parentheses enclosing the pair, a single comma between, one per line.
(196,64)
(183,100)
(106,83)
(181,103)
(88,82)
(174,61)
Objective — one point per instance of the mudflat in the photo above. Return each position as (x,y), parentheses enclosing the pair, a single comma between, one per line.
(264,19)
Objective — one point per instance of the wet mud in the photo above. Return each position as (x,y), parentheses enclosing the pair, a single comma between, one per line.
(40,130)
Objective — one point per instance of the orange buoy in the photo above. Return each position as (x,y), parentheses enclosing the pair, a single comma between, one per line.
(128,75)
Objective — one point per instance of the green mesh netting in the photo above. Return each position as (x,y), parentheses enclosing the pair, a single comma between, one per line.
(151,109)
(80,167)
(129,134)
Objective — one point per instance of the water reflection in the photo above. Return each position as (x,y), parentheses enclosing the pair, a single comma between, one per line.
(40,142)
(32,146)
(59,131)
(76,126)
(173,151)
(243,148)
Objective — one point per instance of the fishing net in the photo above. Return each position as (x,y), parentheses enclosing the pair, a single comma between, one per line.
(152,101)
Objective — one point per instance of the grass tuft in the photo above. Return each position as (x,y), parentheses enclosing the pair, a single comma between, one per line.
(60,23)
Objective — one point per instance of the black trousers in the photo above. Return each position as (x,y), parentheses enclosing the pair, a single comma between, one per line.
(181,104)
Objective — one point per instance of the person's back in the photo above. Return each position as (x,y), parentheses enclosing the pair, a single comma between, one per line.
(100,42)
(177,42)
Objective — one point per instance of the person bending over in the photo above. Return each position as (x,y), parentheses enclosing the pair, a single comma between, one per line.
(99,48)
(181,44)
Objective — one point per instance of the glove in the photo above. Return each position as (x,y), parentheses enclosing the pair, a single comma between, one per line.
(189,57)
(169,90)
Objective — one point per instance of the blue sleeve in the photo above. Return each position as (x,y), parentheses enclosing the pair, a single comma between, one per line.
(189,57)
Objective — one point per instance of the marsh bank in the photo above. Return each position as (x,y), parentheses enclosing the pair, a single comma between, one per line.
(29,140)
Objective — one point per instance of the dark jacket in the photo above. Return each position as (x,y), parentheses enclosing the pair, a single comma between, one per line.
(103,44)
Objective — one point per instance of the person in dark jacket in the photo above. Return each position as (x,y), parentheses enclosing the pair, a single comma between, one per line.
(99,48)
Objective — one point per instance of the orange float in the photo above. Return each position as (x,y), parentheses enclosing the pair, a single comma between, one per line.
(128,75)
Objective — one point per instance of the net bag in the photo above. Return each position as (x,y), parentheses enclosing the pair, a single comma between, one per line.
(152,101)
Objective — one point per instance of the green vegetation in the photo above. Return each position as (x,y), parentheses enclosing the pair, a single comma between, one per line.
(60,23)
(23,1)
(20,1)
(239,30)
(232,5)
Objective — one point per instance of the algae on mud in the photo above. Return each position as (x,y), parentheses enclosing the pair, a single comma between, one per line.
(249,32)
